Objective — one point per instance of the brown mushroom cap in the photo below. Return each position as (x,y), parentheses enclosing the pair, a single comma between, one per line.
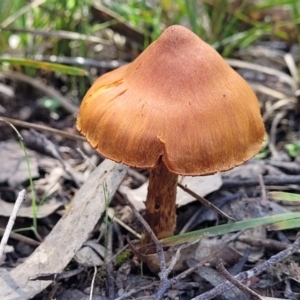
(178,100)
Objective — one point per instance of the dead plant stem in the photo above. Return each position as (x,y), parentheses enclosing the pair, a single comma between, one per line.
(11,221)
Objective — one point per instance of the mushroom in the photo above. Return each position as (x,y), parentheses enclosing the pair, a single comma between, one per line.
(177,109)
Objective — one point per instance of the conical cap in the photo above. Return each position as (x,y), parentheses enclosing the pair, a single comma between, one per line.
(178,100)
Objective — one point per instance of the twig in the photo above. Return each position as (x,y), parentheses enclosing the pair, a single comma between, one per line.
(56,276)
(117,220)
(11,221)
(205,202)
(81,61)
(252,272)
(21,238)
(42,140)
(268,91)
(104,14)
(62,34)
(137,176)
(133,249)
(290,166)
(238,284)
(175,258)
(282,76)
(134,291)
(268,180)
(93,283)
(266,243)
(39,127)
(189,271)
(39,85)
(199,216)
(160,252)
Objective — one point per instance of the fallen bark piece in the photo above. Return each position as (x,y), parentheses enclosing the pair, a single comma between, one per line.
(67,236)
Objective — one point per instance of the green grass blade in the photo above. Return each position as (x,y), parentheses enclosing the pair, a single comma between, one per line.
(191,7)
(270,4)
(286,197)
(284,225)
(227,228)
(53,67)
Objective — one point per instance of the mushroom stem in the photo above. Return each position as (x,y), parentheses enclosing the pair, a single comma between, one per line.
(161,202)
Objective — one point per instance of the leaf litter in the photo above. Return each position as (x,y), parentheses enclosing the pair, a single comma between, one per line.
(242,200)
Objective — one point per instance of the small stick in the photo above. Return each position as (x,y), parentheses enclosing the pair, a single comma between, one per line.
(160,252)
(21,238)
(93,283)
(266,243)
(197,216)
(175,258)
(56,276)
(52,149)
(134,291)
(264,201)
(40,86)
(137,176)
(39,127)
(133,249)
(11,221)
(268,180)
(205,202)
(238,284)
(252,272)
(117,220)
(187,272)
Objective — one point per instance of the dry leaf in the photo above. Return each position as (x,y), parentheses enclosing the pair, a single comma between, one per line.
(186,251)
(91,254)
(50,183)
(250,208)
(43,211)
(207,245)
(13,163)
(256,252)
(215,279)
(201,185)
